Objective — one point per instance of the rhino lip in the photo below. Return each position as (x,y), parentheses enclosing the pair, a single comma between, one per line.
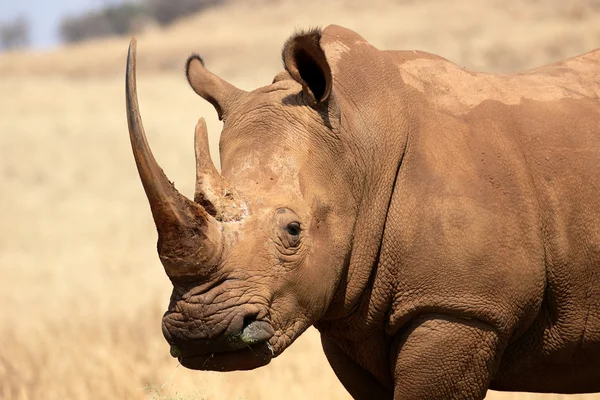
(254,335)
(245,350)
(247,358)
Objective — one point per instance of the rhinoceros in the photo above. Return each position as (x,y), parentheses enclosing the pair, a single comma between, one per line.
(439,227)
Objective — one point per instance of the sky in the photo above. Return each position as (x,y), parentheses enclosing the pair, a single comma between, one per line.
(45,15)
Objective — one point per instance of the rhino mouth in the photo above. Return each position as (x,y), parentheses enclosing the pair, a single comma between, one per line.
(250,357)
(245,349)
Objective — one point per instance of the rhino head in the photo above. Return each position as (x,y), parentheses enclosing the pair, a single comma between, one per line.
(258,256)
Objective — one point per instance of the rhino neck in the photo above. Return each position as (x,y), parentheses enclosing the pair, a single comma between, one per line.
(376,118)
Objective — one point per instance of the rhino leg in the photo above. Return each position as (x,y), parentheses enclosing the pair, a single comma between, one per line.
(357,381)
(441,357)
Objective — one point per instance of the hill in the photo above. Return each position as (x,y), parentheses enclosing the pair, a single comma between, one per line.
(494,35)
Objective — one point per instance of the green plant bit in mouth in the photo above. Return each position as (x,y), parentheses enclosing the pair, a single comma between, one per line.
(175,351)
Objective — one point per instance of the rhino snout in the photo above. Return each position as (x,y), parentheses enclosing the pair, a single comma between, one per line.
(190,341)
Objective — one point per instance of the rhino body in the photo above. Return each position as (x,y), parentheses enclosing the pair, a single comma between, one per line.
(439,227)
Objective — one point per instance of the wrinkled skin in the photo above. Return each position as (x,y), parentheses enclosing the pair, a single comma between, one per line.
(266,269)
(440,228)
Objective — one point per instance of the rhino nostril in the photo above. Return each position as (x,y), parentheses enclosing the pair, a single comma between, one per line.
(247,321)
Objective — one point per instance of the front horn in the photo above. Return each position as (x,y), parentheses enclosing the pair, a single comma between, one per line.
(189,239)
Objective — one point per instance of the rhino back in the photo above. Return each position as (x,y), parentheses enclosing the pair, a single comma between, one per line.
(495,214)
(483,205)
(561,140)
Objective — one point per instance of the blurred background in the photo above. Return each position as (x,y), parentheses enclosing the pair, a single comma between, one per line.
(81,287)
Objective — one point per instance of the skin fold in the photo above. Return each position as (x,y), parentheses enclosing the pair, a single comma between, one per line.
(439,227)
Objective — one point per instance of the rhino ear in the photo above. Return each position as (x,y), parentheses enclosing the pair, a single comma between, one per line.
(210,87)
(305,61)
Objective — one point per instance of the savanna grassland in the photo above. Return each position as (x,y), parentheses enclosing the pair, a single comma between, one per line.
(81,288)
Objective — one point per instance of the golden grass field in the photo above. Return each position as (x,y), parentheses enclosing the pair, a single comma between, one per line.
(81,287)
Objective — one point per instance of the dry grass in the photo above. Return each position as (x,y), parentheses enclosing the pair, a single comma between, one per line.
(82,290)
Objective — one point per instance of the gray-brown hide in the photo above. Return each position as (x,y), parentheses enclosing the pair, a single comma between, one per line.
(441,228)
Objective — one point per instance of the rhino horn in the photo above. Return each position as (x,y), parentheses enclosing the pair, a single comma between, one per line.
(213,191)
(189,238)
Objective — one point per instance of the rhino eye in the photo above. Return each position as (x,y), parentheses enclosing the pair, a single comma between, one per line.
(293,228)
